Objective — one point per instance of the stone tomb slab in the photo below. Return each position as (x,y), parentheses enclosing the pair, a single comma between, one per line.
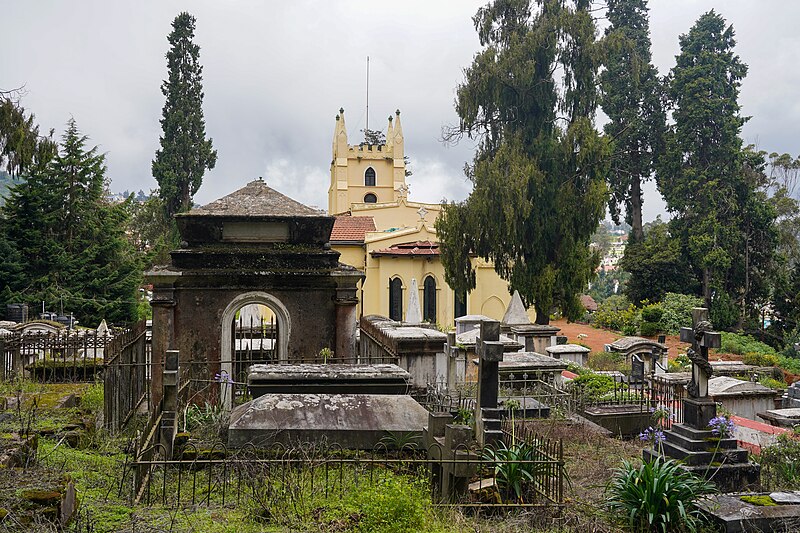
(352,421)
(785,418)
(327,379)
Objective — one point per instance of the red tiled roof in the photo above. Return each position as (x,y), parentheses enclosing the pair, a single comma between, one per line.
(349,229)
(419,248)
(588,303)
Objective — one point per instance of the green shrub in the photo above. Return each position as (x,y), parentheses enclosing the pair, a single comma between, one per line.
(652,313)
(773,383)
(649,329)
(92,398)
(760,359)
(657,496)
(618,314)
(781,463)
(677,311)
(515,479)
(594,386)
(606,361)
(790,364)
(743,344)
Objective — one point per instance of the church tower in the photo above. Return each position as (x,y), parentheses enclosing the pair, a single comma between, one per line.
(366,173)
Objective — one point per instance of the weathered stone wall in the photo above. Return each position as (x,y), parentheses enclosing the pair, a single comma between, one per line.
(419,350)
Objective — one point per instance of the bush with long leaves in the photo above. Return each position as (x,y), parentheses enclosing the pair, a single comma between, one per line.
(658,496)
(512,471)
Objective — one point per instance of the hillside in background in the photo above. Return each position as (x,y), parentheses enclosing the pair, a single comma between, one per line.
(6,181)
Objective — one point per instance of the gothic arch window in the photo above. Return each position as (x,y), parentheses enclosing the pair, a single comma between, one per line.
(429,299)
(460,306)
(370,198)
(396,299)
(369,177)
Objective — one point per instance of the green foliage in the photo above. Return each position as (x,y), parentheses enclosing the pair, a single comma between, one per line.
(151,231)
(744,344)
(464,416)
(391,504)
(649,329)
(606,361)
(781,462)
(657,496)
(612,315)
(538,158)
(652,312)
(606,282)
(70,238)
(631,97)
(21,146)
(92,398)
(724,314)
(185,153)
(758,358)
(514,476)
(773,383)
(658,265)
(710,182)
(594,386)
(678,311)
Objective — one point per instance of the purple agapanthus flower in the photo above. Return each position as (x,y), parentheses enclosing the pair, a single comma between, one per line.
(223,377)
(654,435)
(722,426)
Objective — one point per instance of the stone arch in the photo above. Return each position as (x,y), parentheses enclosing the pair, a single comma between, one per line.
(282,319)
(493,307)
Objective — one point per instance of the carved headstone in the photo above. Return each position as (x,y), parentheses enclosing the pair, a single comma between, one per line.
(414,311)
(699,408)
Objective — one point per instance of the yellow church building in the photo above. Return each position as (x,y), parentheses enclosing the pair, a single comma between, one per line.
(393,240)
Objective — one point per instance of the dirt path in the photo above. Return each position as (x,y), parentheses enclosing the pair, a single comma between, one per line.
(596,339)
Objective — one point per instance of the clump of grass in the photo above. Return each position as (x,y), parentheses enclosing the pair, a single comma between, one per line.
(657,496)
(92,399)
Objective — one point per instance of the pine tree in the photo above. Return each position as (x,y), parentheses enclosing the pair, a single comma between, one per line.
(21,145)
(185,153)
(539,172)
(632,99)
(70,239)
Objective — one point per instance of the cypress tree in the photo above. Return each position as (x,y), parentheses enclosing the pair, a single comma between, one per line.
(539,172)
(632,99)
(185,153)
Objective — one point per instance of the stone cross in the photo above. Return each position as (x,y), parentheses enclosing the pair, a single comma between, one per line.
(490,353)
(702,338)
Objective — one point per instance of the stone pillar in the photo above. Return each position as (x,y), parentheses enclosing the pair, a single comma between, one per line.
(163,304)
(699,409)
(169,407)
(346,324)
(452,353)
(490,353)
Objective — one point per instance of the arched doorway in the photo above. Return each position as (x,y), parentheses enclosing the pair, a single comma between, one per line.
(228,347)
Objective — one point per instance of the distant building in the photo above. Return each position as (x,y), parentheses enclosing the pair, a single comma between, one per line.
(392,239)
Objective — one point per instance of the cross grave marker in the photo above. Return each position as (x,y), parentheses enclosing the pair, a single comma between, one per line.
(699,408)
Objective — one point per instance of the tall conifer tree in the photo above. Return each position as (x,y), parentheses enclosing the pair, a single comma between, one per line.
(701,176)
(539,172)
(185,153)
(70,239)
(632,99)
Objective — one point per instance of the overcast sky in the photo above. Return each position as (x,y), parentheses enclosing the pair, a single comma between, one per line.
(276,72)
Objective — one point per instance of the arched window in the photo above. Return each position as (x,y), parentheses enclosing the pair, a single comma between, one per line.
(370,198)
(396,299)
(429,299)
(369,177)
(460,306)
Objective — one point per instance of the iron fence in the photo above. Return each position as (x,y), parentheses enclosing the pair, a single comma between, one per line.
(126,379)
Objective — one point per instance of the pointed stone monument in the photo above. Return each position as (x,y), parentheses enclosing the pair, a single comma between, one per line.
(516,314)
(414,311)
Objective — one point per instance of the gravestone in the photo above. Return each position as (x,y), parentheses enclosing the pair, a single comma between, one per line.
(637,369)
(414,311)
(490,353)
(694,443)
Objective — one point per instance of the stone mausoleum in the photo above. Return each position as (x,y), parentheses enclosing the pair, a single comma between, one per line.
(254,246)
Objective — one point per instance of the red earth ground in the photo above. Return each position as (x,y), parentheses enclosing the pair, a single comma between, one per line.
(597,338)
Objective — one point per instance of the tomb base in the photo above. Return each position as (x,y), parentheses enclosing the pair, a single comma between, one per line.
(720,461)
(698,412)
